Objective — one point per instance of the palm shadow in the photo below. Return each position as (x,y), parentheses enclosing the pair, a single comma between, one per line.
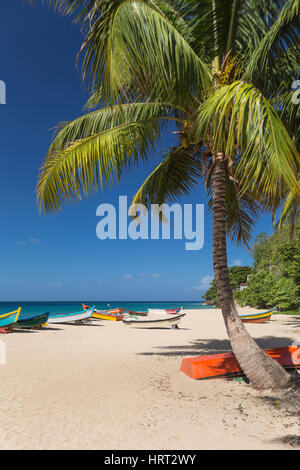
(203,347)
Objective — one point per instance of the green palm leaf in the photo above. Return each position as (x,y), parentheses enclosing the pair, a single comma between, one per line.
(238,117)
(179,171)
(282,34)
(108,117)
(241,214)
(133,42)
(83,165)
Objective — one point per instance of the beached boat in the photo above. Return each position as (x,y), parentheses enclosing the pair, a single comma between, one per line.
(226,365)
(257,317)
(138,314)
(168,322)
(161,311)
(77,317)
(115,314)
(8,320)
(36,321)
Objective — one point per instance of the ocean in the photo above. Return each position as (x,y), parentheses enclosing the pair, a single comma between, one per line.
(34,308)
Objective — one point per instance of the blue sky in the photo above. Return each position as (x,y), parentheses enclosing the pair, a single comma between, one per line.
(59,257)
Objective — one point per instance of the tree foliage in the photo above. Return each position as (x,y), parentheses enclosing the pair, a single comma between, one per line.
(275,280)
(215,73)
(237,275)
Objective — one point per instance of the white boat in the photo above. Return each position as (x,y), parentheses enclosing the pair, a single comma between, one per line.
(168,322)
(161,311)
(71,317)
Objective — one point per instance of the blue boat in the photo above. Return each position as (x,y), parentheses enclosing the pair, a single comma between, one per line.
(77,317)
(9,319)
(36,321)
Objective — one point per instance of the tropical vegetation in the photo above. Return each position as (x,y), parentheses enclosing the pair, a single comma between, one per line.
(275,280)
(238,275)
(216,73)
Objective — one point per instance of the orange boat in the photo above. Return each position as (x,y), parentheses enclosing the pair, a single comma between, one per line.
(226,365)
(116,314)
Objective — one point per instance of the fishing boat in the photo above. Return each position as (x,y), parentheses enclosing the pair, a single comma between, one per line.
(168,322)
(77,317)
(169,311)
(257,317)
(8,320)
(36,321)
(116,314)
(138,314)
(226,365)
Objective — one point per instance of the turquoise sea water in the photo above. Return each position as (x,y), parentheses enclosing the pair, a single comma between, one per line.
(34,308)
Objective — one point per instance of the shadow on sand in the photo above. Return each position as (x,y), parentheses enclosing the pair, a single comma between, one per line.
(214,346)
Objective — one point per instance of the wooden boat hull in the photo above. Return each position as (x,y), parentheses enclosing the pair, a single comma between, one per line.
(71,318)
(110,317)
(36,321)
(139,314)
(115,314)
(257,317)
(7,320)
(153,323)
(161,311)
(226,365)
(256,320)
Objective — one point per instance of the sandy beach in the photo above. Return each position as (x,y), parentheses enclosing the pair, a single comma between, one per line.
(109,386)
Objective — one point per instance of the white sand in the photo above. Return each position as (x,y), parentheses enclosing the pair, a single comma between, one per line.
(110,386)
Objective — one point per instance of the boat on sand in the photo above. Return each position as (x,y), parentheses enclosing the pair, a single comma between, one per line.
(77,317)
(8,320)
(168,311)
(226,365)
(139,314)
(257,317)
(116,314)
(36,321)
(167,322)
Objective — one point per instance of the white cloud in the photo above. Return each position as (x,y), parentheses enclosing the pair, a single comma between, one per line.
(127,276)
(29,241)
(142,275)
(237,262)
(34,241)
(204,283)
(155,275)
(54,285)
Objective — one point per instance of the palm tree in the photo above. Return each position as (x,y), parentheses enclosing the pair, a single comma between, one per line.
(212,71)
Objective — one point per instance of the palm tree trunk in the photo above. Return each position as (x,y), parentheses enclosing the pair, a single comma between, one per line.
(262,371)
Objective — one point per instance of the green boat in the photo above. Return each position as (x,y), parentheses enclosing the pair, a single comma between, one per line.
(36,321)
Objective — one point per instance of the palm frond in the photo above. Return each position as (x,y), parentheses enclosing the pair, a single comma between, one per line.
(87,163)
(108,117)
(238,117)
(290,215)
(282,34)
(179,171)
(241,214)
(133,42)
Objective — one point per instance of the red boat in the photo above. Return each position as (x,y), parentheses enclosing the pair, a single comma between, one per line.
(226,365)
